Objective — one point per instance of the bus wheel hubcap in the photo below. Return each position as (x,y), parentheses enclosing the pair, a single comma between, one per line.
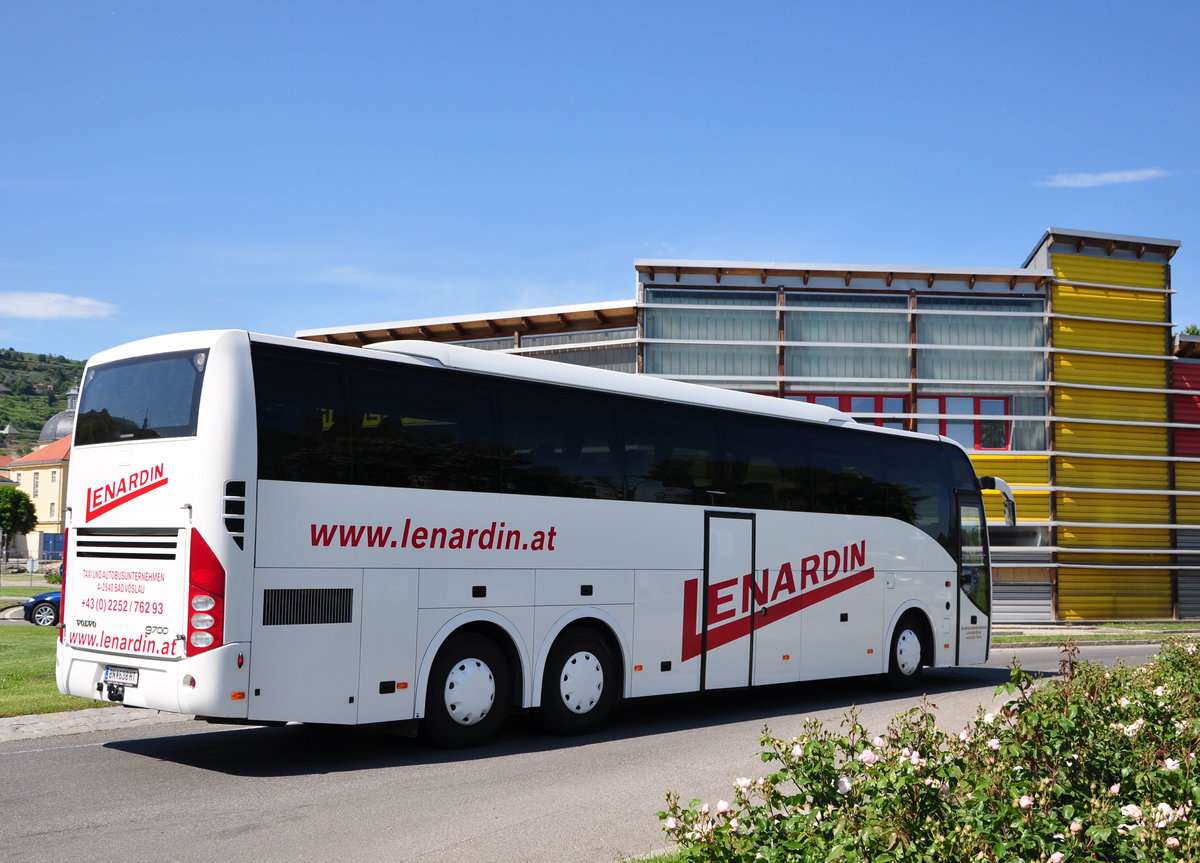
(908,652)
(470,691)
(581,681)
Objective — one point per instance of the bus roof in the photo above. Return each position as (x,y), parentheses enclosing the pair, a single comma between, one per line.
(531,368)
(500,364)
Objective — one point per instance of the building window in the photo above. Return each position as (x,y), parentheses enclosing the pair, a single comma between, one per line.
(704,297)
(980,339)
(53,477)
(885,411)
(966,419)
(701,343)
(863,337)
(702,361)
(51,510)
(36,476)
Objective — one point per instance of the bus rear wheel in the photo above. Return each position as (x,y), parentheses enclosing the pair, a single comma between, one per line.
(907,656)
(467,698)
(580,686)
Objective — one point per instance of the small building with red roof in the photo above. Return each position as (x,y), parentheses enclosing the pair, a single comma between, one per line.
(43,476)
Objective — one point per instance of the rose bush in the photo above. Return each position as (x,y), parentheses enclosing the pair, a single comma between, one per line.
(1095,765)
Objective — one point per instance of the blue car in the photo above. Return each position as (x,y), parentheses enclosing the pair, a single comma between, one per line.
(43,609)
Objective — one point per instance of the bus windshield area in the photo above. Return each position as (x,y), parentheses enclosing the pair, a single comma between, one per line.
(148,397)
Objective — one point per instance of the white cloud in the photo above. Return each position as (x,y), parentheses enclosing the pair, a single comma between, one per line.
(31,305)
(1108,178)
(351,276)
(345,274)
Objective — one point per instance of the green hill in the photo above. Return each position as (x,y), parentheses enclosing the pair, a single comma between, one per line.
(33,388)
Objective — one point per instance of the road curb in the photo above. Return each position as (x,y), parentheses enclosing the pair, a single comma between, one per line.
(38,725)
(1090,642)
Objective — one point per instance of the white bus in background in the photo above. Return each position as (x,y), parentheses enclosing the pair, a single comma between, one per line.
(267,530)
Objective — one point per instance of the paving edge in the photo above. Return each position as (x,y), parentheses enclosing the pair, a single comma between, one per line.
(37,725)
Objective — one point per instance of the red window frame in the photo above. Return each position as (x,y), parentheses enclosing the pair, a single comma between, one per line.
(981,422)
(854,404)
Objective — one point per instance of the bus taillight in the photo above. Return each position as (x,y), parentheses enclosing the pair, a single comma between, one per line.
(206,598)
(62,585)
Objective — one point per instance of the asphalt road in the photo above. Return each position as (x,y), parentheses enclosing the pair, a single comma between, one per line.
(188,791)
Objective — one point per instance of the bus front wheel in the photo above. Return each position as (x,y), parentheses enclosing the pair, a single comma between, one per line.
(580,685)
(467,698)
(906,656)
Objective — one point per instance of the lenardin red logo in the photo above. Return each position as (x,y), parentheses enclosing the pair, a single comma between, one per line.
(729,615)
(102,498)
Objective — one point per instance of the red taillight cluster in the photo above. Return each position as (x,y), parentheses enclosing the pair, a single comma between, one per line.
(62,597)
(206,598)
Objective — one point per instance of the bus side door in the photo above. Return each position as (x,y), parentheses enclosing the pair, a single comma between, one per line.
(974,581)
(728,562)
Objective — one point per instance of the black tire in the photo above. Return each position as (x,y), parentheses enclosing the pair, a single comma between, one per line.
(467,699)
(580,686)
(44,614)
(907,656)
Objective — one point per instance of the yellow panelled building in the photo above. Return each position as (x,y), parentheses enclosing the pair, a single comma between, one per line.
(1059,376)
(1112,469)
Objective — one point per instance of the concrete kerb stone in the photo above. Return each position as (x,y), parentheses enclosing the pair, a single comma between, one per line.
(81,721)
(1052,634)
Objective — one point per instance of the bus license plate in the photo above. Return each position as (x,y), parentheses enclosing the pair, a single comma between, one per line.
(126,676)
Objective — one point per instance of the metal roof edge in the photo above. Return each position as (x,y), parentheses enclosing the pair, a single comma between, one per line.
(451,319)
(1119,238)
(1100,235)
(668,263)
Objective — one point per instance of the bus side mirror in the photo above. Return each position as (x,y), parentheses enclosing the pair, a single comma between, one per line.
(994,483)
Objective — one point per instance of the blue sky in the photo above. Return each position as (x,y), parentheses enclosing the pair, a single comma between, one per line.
(282,166)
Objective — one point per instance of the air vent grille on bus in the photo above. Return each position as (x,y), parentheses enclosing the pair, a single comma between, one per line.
(298,606)
(235,511)
(129,543)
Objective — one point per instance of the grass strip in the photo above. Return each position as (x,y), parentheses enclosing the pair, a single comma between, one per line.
(23,592)
(27,673)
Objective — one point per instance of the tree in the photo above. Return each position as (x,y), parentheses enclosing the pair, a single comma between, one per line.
(17,515)
(1191,330)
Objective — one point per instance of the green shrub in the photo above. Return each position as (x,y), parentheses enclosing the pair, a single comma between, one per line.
(1095,765)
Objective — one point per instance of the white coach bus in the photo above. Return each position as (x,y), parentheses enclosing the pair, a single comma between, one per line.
(269,530)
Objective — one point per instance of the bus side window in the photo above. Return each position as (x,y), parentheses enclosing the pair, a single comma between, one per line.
(671,455)
(303,420)
(845,472)
(916,487)
(415,431)
(557,442)
(767,464)
(962,473)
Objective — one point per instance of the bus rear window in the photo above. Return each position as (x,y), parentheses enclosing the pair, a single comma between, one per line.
(147,397)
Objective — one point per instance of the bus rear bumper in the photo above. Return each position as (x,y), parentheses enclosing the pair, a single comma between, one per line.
(211,684)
